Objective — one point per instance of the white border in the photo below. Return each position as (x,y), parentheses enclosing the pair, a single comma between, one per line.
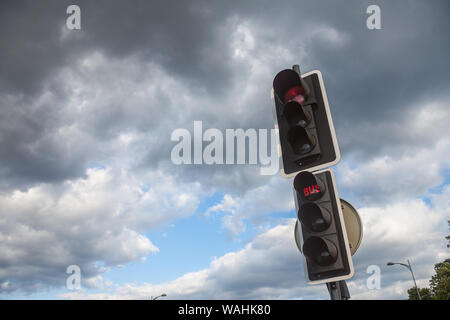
(344,234)
(330,121)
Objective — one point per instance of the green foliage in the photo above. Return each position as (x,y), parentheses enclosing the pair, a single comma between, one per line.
(439,284)
(425,294)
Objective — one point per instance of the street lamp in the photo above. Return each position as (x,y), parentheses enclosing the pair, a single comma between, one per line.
(163,295)
(410,269)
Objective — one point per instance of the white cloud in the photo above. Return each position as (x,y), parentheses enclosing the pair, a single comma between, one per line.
(254,204)
(398,222)
(228,204)
(410,173)
(270,266)
(243,42)
(97,219)
(234,275)
(329,35)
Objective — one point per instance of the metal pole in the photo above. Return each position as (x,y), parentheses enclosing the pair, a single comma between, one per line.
(345,294)
(414,279)
(305,86)
(338,290)
(334,290)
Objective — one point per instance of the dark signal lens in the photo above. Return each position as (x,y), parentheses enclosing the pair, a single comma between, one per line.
(314,217)
(295,115)
(320,251)
(300,141)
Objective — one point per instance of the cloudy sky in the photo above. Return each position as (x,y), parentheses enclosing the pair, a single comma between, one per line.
(86,118)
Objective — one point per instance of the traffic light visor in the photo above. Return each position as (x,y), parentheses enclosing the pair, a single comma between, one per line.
(287,85)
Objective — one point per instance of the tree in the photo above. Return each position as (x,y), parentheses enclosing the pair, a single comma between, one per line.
(440,282)
(425,294)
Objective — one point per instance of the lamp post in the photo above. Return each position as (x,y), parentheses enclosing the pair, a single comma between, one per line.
(410,269)
(163,295)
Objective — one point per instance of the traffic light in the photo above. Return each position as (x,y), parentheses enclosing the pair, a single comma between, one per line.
(307,137)
(322,230)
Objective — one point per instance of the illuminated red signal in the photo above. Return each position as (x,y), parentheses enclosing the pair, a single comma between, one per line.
(296,93)
(308,186)
(311,190)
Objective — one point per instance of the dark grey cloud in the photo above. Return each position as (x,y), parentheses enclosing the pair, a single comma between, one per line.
(180,37)
(30,51)
(382,75)
(372,77)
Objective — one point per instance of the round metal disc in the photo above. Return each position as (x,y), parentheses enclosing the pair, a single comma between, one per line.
(353,226)
(297,236)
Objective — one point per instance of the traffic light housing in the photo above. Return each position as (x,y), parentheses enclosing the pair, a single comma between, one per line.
(322,230)
(307,136)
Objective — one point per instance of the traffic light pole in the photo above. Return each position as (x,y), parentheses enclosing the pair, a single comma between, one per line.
(338,290)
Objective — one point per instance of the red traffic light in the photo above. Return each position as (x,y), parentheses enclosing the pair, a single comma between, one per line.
(309,187)
(289,86)
(307,137)
(296,93)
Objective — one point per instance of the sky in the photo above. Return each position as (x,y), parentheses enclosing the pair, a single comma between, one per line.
(87,115)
